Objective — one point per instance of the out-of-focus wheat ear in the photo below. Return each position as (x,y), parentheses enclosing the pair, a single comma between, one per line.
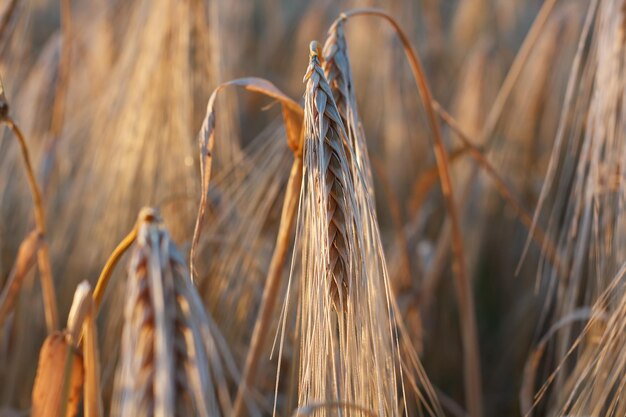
(144,384)
(172,360)
(584,190)
(6,18)
(327,136)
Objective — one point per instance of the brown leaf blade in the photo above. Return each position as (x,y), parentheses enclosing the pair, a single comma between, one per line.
(293,116)
(50,379)
(25,260)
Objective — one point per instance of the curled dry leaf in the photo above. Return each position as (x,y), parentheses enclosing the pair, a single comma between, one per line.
(292,116)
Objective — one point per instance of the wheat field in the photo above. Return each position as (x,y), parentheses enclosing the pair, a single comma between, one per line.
(360,208)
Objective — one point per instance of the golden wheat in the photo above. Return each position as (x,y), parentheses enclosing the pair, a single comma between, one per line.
(172,362)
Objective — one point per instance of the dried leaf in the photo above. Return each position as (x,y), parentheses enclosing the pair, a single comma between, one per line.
(292,112)
(23,263)
(48,388)
(293,116)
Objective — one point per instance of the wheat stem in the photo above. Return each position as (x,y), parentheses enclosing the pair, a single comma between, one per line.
(43,257)
(504,190)
(272,284)
(109,266)
(145,215)
(516,69)
(66,381)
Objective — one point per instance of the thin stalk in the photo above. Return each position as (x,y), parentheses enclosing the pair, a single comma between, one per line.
(514,72)
(504,190)
(40,221)
(469,332)
(43,257)
(145,215)
(428,178)
(496,109)
(272,285)
(109,266)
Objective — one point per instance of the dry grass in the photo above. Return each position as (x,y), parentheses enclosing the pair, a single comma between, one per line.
(396,235)
(586,219)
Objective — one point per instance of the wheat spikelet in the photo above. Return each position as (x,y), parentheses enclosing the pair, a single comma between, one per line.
(325,142)
(339,75)
(173,361)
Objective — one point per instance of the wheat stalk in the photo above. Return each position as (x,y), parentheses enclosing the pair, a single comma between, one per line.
(43,257)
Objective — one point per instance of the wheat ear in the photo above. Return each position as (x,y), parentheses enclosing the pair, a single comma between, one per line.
(174,361)
(327,137)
